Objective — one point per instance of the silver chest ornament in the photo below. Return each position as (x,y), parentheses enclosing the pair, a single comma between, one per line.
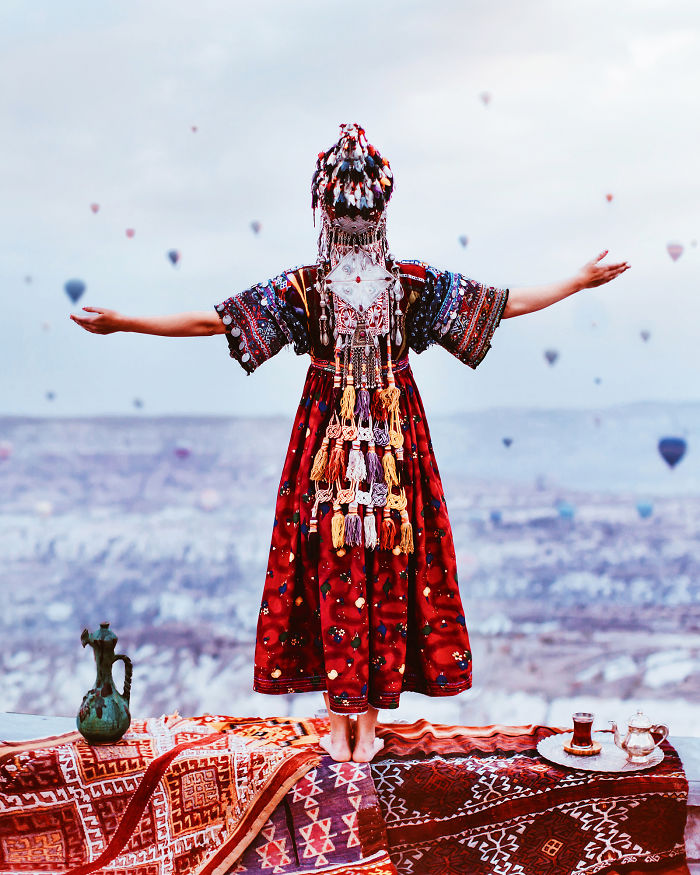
(365,296)
(361,291)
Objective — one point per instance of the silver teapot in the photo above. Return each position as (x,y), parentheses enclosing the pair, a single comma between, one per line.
(641,739)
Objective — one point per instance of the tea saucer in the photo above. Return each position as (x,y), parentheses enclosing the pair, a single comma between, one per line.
(591,751)
(610,759)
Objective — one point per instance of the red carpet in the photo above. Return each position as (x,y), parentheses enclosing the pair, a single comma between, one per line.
(216,795)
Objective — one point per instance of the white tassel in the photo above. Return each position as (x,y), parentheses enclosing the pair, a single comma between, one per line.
(370,529)
(357,468)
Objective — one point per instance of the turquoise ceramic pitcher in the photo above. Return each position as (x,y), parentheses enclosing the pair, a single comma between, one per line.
(104,714)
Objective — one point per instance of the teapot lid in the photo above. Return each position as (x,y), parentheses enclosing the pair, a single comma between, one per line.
(639,721)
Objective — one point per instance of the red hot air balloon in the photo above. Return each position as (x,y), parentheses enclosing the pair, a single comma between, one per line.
(95,207)
(608,197)
(485,97)
(675,250)
(194,129)
(130,232)
(183,450)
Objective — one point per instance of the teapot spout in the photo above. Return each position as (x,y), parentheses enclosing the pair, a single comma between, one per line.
(616,735)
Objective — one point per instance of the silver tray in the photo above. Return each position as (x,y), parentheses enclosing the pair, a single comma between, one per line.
(610,758)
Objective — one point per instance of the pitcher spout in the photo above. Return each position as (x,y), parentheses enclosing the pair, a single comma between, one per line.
(616,735)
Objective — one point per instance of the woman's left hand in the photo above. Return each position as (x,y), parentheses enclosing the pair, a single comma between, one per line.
(594,274)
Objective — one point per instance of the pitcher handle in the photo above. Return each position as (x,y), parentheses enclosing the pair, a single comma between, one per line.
(128,671)
(661,729)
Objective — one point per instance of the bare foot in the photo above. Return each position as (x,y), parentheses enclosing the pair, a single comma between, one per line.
(364,751)
(339,750)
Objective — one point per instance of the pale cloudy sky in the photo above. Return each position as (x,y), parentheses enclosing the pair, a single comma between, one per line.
(588,98)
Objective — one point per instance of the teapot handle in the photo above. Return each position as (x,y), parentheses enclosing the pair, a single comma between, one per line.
(128,671)
(659,729)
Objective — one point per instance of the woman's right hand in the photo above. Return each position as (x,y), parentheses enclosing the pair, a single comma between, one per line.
(104,322)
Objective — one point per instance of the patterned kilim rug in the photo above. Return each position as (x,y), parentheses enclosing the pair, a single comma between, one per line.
(483,802)
(220,795)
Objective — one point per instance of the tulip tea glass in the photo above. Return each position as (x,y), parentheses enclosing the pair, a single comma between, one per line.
(583,724)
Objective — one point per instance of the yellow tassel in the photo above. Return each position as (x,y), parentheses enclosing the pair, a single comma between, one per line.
(390,398)
(390,476)
(347,402)
(337,527)
(318,471)
(406,533)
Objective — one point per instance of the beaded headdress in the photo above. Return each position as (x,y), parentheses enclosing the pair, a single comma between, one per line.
(359,290)
(352,183)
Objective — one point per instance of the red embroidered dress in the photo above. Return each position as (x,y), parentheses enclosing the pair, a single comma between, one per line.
(362,623)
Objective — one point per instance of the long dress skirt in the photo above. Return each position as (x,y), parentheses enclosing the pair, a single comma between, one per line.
(368,624)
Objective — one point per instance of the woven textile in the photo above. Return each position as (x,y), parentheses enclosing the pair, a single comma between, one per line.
(215,794)
(461,801)
(173,796)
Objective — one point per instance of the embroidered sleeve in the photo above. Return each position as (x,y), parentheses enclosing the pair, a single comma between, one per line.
(259,321)
(451,310)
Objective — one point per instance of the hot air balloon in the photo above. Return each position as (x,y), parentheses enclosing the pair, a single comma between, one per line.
(5,450)
(672,450)
(463,239)
(138,403)
(74,289)
(507,441)
(645,508)
(173,255)
(597,381)
(209,499)
(27,279)
(675,250)
(485,97)
(495,517)
(608,197)
(551,355)
(130,232)
(50,396)
(645,335)
(94,207)
(194,129)
(566,510)
(183,450)
(256,226)
(46,326)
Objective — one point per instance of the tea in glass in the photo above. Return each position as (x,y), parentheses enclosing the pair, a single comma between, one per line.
(583,724)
